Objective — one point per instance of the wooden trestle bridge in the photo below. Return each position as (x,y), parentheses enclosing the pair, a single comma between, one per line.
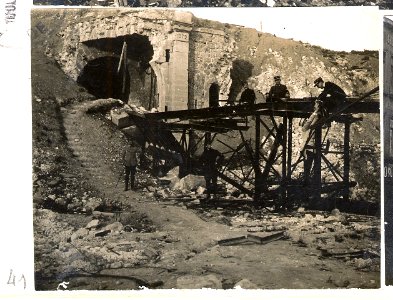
(260,143)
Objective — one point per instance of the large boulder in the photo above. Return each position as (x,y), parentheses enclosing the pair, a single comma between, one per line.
(92,224)
(190,182)
(172,176)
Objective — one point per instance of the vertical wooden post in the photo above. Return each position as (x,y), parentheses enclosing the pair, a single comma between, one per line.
(208,138)
(346,158)
(258,188)
(123,90)
(257,137)
(317,164)
(284,155)
(289,160)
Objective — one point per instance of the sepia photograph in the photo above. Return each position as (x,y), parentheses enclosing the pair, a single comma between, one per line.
(192,148)
(382,4)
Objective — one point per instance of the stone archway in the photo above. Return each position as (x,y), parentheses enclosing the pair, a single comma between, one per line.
(120,68)
(165,34)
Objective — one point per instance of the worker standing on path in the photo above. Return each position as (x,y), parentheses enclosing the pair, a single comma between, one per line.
(130,161)
(210,159)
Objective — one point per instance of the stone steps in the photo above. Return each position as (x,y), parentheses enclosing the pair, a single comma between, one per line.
(87,149)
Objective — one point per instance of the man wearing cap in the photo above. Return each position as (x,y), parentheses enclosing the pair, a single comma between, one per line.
(130,162)
(210,159)
(277,91)
(331,96)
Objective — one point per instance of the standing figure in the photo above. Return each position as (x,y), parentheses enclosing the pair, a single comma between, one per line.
(248,94)
(130,161)
(210,159)
(277,91)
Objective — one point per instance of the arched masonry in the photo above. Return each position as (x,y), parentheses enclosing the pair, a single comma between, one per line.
(186,58)
(190,54)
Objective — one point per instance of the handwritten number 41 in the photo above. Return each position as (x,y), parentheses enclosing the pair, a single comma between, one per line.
(12,279)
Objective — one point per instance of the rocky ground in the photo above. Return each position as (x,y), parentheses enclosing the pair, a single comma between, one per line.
(92,234)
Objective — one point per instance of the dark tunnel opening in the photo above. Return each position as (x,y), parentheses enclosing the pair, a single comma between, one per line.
(101,79)
(121,70)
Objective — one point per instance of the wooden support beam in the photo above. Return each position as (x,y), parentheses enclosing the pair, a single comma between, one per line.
(272,156)
(284,150)
(332,169)
(289,161)
(347,131)
(258,187)
(298,109)
(317,164)
(236,184)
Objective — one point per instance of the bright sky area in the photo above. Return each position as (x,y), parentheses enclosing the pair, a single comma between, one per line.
(335,28)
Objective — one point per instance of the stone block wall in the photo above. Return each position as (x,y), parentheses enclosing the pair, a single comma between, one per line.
(203,52)
(211,59)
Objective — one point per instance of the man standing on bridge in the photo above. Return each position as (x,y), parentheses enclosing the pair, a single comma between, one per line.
(130,161)
(248,95)
(277,91)
(210,159)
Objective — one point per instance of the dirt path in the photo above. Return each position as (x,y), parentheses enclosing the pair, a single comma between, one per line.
(189,244)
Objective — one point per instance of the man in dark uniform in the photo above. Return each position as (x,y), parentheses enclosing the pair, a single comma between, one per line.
(248,95)
(328,101)
(210,159)
(331,96)
(130,162)
(277,91)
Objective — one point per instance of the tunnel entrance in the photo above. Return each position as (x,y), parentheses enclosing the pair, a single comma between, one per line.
(101,79)
(119,68)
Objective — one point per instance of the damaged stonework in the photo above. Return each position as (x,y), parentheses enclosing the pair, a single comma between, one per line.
(184,62)
(167,33)
(212,52)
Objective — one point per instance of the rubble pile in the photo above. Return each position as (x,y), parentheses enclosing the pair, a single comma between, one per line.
(352,238)
(103,243)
